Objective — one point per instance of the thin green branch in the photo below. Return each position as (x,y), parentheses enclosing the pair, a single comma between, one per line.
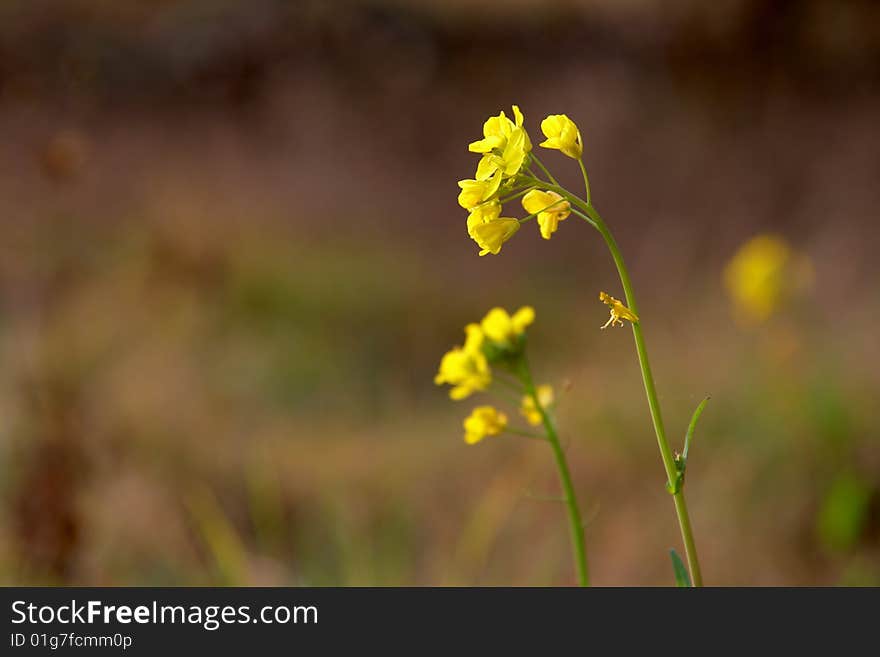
(586,180)
(578,543)
(585,218)
(517,194)
(653,402)
(545,170)
(525,434)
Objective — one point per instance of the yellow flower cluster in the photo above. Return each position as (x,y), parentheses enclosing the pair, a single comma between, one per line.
(466,368)
(505,152)
(504,329)
(504,148)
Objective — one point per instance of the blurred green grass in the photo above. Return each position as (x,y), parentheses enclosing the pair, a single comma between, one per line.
(246,407)
(216,367)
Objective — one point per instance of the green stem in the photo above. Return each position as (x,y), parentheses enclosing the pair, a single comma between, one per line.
(502,392)
(545,170)
(511,385)
(578,544)
(524,434)
(654,405)
(544,209)
(515,194)
(575,201)
(586,180)
(687,535)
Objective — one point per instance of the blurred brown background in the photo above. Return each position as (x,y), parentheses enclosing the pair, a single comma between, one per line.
(231,258)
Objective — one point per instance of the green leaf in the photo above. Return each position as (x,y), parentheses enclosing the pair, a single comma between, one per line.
(843,514)
(682,579)
(693,425)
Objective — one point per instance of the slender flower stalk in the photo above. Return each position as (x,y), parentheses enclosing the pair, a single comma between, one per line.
(516,195)
(586,180)
(653,403)
(526,434)
(544,169)
(505,173)
(592,217)
(500,340)
(576,525)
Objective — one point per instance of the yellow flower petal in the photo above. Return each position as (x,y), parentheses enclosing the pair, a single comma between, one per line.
(465,368)
(562,134)
(537,200)
(522,318)
(529,410)
(473,341)
(517,116)
(495,132)
(497,325)
(483,214)
(550,207)
(487,166)
(474,192)
(500,327)
(483,421)
(504,146)
(514,154)
(492,234)
(548,223)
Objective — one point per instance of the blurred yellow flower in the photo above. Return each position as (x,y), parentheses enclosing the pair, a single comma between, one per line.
(474,192)
(498,326)
(492,234)
(562,134)
(483,421)
(529,409)
(549,213)
(619,312)
(465,368)
(762,274)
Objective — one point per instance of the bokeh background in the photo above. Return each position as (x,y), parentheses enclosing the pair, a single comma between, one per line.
(231,258)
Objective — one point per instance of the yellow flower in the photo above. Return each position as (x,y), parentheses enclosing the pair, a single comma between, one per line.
(762,273)
(498,326)
(483,421)
(508,161)
(496,129)
(474,192)
(504,146)
(619,312)
(549,213)
(496,132)
(483,214)
(465,368)
(562,134)
(530,410)
(492,234)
